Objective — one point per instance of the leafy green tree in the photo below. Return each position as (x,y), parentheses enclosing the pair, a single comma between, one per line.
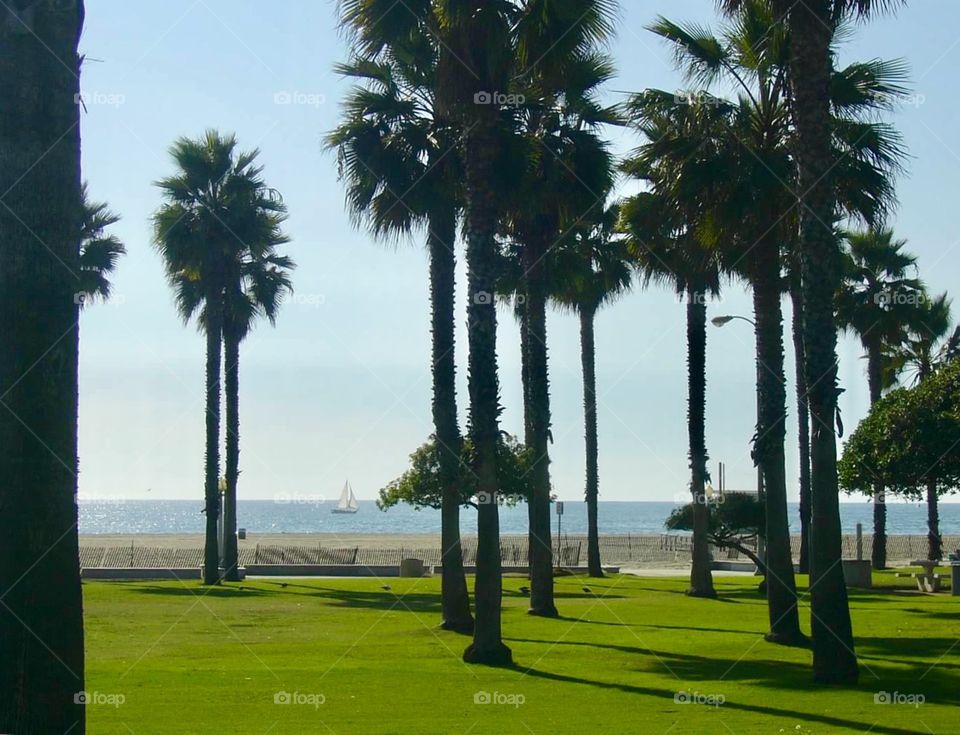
(422,486)
(99,251)
(813,27)
(41,618)
(665,242)
(218,220)
(877,301)
(592,270)
(734,521)
(907,444)
(401,163)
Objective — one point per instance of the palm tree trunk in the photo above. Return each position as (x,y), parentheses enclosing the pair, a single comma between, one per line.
(231,380)
(455,600)
(769,444)
(878,554)
(701,579)
(211,488)
(41,618)
(481,154)
(834,658)
(803,423)
(935,542)
(588,360)
(537,409)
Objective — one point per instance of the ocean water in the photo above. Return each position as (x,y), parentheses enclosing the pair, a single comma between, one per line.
(302,515)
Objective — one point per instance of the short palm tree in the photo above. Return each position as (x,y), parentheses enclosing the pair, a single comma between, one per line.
(99,250)
(876,302)
(591,269)
(217,211)
(401,163)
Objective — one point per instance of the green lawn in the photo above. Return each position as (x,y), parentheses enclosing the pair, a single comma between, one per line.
(188,659)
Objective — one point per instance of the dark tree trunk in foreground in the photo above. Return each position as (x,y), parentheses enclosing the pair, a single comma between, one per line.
(41,615)
(834,659)
(231,384)
(537,420)
(769,444)
(455,600)
(211,484)
(701,579)
(481,154)
(803,423)
(875,378)
(935,543)
(588,360)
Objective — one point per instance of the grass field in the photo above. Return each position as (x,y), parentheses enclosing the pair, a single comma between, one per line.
(629,655)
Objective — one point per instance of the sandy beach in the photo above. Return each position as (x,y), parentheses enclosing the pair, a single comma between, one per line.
(327,540)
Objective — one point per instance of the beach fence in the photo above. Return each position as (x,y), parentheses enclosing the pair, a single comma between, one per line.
(569,551)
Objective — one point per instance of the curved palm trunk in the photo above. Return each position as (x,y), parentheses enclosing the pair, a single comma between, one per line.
(481,153)
(455,600)
(803,424)
(588,360)
(537,412)
(769,444)
(934,541)
(874,375)
(231,381)
(41,618)
(834,658)
(701,579)
(211,487)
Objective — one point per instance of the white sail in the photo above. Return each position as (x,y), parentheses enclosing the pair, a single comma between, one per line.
(348,501)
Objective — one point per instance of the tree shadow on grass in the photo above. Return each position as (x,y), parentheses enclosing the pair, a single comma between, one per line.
(728,704)
(197,590)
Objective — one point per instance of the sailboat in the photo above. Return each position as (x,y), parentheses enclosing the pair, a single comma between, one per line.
(348,501)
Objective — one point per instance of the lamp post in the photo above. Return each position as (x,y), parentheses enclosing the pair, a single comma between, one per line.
(722,321)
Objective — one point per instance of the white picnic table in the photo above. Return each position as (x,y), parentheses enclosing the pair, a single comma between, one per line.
(927,580)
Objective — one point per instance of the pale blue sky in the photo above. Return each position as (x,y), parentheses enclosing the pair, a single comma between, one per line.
(341,387)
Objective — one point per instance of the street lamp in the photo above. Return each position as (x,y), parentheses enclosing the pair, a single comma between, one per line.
(722,321)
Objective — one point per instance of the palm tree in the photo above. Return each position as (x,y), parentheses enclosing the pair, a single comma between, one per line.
(217,212)
(812,29)
(475,60)
(565,170)
(876,302)
(667,248)
(41,618)
(930,344)
(401,164)
(99,251)
(758,199)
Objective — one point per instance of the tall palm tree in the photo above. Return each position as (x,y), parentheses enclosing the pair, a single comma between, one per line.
(591,269)
(877,300)
(99,251)
(475,61)
(401,164)
(565,171)
(813,25)
(217,210)
(752,55)
(667,247)
(930,344)
(41,618)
